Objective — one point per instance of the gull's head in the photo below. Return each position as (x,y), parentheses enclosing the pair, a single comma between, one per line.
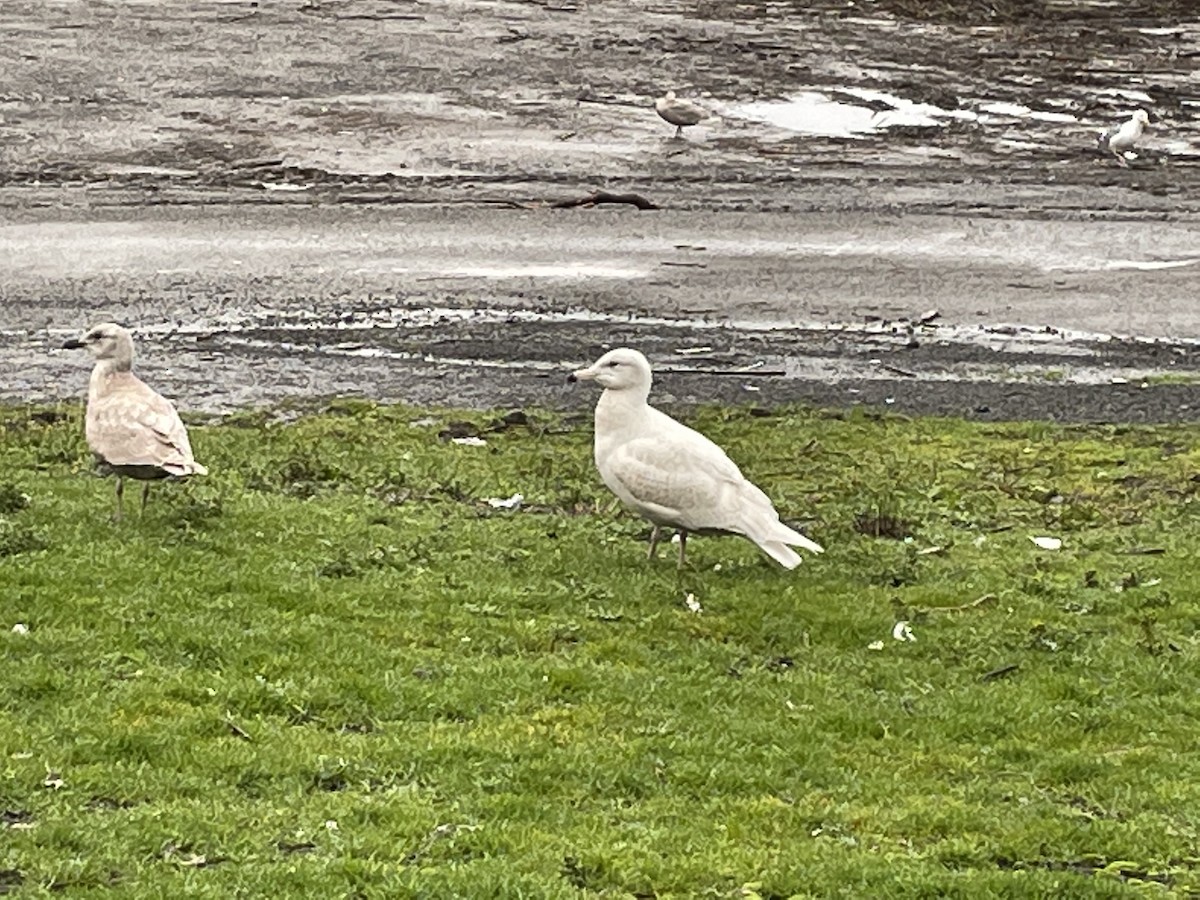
(669,95)
(1142,117)
(107,340)
(617,370)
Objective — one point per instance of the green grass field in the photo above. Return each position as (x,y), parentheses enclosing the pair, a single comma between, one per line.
(331,669)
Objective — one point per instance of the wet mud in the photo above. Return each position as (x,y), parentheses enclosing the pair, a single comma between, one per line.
(354,197)
(379,101)
(497,357)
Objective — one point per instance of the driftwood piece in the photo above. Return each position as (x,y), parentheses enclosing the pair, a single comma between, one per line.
(896,370)
(597,197)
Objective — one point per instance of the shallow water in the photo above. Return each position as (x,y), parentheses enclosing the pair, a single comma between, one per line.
(815,112)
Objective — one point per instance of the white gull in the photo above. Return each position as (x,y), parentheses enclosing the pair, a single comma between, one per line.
(1120,140)
(672,475)
(133,431)
(679,113)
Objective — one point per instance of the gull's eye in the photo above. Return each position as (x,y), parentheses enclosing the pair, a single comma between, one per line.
(612,364)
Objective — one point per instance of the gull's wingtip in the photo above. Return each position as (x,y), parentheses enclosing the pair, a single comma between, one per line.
(781,553)
(811,546)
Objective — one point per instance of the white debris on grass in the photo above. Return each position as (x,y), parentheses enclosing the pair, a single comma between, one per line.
(513,502)
(1047,543)
(470,441)
(901,631)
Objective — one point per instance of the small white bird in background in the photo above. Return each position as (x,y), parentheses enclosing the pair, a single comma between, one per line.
(133,431)
(672,475)
(680,113)
(1120,139)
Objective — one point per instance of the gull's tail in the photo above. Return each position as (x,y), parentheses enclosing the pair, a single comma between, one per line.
(775,545)
(796,539)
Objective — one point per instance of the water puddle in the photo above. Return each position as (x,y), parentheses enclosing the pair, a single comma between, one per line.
(1019,111)
(1126,94)
(1016,339)
(115,168)
(814,112)
(827,370)
(1150,265)
(550,270)
(817,112)
(793,353)
(454,355)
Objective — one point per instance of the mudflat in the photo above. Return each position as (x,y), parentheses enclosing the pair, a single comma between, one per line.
(358,198)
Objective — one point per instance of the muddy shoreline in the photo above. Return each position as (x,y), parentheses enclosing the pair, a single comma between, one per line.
(505,358)
(284,201)
(246,306)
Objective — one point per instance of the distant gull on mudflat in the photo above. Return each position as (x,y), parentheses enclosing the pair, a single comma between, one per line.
(1120,139)
(680,113)
(133,431)
(672,475)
